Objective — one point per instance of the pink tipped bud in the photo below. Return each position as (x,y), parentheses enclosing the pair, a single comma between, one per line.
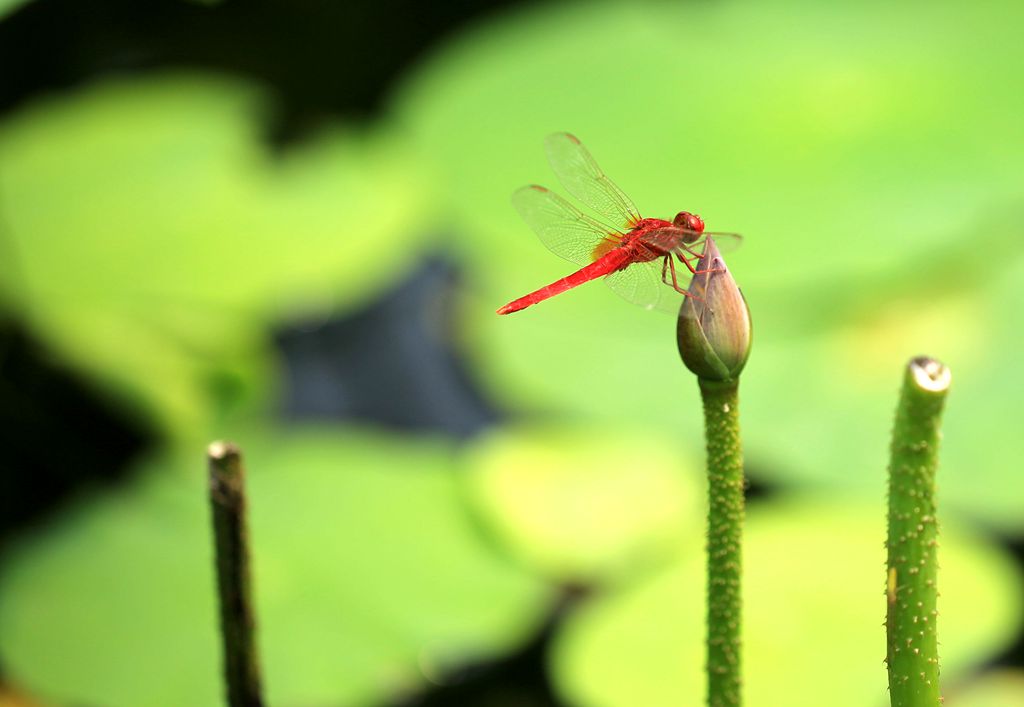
(714,330)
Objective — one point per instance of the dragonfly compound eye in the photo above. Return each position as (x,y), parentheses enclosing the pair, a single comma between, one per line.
(691,222)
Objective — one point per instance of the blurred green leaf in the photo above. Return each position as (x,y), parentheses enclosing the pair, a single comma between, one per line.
(1002,688)
(153,236)
(583,505)
(367,575)
(870,166)
(813,606)
(9,6)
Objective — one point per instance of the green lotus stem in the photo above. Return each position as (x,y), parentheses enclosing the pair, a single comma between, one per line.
(231,537)
(714,336)
(912,653)
(725,529)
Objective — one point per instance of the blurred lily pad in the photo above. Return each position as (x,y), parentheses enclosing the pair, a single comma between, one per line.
(9,6)
(367,571)
(813,612)
(1001,688)
(151,234)
(586,505)
(871,214)
(743,128)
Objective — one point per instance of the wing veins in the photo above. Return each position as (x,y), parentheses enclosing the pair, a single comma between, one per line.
(564,229)
(582,177)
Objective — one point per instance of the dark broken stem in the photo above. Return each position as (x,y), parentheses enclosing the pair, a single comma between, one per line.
(231,537)
(912,644)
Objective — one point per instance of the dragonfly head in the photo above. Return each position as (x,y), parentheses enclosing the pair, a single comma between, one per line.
(691,222)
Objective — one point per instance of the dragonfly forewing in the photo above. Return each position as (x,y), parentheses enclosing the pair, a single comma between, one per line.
(564,229)
(580,174)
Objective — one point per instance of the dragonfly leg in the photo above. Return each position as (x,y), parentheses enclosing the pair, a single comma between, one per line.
(700,272)
(693,253)
(686,262)
(668,265)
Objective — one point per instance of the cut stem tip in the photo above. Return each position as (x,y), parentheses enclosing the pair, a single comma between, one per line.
(929,374)
(220,450)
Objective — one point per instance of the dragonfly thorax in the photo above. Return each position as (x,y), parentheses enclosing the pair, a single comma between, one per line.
(691,222)
(649,224)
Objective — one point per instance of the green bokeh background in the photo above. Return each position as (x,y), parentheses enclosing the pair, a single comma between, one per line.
(870,153)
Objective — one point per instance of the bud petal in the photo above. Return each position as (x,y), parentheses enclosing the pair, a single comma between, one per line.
(713,330)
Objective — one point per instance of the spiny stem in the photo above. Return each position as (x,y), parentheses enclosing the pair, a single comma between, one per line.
(725,530)
(912,652)
(227,499)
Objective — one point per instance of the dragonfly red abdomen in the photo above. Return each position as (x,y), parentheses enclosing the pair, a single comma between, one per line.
(611,262)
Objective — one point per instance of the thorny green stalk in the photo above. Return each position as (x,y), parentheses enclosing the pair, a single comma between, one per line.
(912,652)
(231,537)
(725,529)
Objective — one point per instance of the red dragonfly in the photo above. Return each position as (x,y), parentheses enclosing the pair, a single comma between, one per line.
(635,255)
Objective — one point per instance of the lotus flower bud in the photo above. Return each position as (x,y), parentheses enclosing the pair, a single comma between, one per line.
(713,329)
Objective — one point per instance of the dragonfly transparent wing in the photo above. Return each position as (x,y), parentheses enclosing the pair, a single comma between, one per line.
(564,229)
(726,242)
(583,178)
(690,244)
(641,283)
